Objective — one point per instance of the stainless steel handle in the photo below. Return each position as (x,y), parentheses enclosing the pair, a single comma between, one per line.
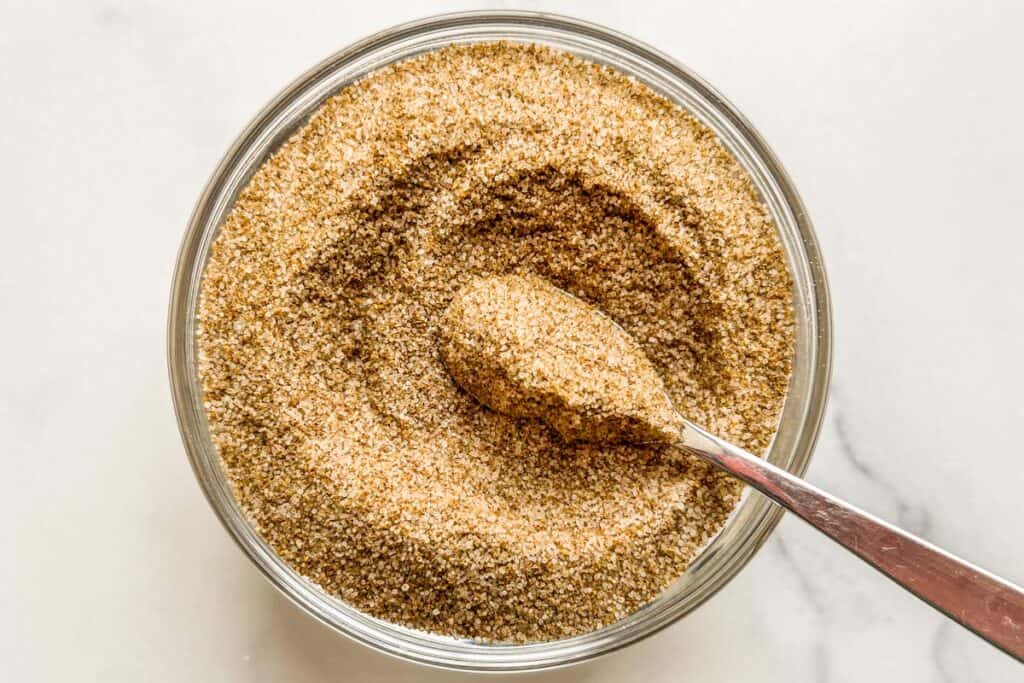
(980,601)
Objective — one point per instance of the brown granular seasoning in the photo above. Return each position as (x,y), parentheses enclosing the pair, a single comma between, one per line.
(528,349)
(348,445)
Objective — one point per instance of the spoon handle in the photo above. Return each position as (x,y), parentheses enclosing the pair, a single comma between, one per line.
(982,602)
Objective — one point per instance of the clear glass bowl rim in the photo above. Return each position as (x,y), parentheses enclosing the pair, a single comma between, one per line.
(755,518)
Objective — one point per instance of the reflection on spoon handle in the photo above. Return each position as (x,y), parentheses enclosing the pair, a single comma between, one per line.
(980,601)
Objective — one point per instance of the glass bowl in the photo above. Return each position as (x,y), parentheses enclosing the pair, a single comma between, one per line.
(755,517)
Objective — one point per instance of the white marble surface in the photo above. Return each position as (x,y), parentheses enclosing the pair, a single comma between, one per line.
(901,124)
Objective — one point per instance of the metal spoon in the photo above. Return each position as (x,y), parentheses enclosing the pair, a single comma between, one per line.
(526,348)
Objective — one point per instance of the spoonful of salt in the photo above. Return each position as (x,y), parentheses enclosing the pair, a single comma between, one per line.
(525,348)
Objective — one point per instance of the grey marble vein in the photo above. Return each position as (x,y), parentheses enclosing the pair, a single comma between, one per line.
(807,587)
(914,518)
(813,597)
(940,653)
(111,16)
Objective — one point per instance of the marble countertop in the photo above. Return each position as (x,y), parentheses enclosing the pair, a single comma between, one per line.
(900,123)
